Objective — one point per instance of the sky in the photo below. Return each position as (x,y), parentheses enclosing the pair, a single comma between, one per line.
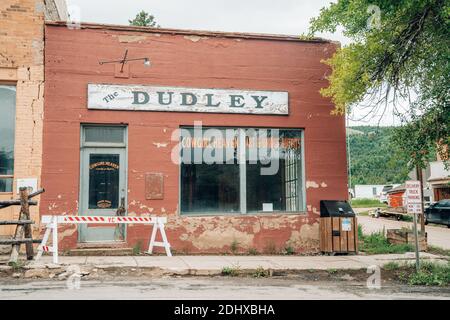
(260,16)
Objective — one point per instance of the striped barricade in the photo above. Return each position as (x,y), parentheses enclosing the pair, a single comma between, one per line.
(52,223)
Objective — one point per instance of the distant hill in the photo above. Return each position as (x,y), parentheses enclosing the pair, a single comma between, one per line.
(373,157)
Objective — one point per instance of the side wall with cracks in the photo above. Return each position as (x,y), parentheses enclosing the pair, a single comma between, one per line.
(184,59)
(22,65)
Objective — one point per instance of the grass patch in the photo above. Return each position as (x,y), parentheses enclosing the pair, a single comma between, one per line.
(431,274)
(260,272)
(367,203)
(16,265)
(232,271)
(253,252)
(377,243)
(407,218)
(332,271)
(392,265)
(289,251)
(137,248)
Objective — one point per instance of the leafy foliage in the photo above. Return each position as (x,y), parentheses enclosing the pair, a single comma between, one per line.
(403,57)
(144,19)
(377,243)
(431,274)
(374,158)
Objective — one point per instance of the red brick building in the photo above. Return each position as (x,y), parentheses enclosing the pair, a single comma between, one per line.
(111,136)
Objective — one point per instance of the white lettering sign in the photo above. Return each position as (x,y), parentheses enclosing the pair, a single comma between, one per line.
(413,193)
(152,98)
(413,197)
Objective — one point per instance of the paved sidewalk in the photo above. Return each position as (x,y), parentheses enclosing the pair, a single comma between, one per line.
(212,265)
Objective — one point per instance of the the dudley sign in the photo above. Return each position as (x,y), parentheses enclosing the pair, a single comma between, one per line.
(155,98)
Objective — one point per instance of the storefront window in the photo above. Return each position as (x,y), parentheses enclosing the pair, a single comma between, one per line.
(7,127)
(237,170)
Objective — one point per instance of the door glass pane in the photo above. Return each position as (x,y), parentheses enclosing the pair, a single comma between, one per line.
(104,134)
(104,181)
(7,126)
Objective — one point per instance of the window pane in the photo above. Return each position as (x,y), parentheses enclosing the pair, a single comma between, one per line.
(7,126)
(103,181)
(273,170)
(6,184)
(209,172)
(104,134)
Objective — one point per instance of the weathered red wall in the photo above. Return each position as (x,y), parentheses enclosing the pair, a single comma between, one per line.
(72,58)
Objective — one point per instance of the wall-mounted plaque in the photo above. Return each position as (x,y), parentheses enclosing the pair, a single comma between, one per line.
(154,186)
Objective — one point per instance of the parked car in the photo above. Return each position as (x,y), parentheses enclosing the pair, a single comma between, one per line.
(438,212)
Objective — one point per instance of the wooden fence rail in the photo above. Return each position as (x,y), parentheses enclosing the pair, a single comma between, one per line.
(23,232)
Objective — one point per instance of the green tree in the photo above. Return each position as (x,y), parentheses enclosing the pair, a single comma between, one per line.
(400,52)
(374,158)
(144,19)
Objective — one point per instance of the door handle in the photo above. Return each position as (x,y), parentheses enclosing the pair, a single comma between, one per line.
(121,210)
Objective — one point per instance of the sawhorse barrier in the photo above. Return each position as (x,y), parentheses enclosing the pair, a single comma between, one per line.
(52,223)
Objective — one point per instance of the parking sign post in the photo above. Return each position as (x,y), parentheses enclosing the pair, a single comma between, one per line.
(414,206)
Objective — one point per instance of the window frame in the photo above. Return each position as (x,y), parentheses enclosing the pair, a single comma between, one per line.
(11,176)
(301,185)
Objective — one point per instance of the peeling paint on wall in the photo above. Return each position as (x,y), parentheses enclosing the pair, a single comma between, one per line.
(194,38)
(131,38)
(160,144)
(311,184)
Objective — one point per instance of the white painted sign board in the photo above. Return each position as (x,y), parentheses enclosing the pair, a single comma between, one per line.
(155,98)
(30,183)
(413,197)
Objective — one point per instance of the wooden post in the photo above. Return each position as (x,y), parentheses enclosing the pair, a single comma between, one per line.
(25,215)
(23,230)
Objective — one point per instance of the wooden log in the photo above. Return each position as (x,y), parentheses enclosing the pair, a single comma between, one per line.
(18,241)
(36,193)
(8,203)
(12,222)
(26,216)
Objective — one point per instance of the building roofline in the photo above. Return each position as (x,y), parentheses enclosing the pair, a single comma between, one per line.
(220,34)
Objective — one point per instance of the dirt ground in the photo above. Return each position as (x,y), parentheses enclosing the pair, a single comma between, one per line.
(224,288)
(147,284)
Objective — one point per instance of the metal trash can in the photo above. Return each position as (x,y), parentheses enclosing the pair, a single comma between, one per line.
(338,227)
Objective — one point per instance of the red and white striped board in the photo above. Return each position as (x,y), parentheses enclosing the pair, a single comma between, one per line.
(103,219)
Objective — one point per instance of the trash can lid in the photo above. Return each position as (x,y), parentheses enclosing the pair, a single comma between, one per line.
(336,208)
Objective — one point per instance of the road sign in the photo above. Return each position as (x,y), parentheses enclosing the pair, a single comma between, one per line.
(414,206)
(413,192)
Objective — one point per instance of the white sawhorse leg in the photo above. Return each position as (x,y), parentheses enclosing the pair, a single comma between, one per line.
(51,227)
(159,226)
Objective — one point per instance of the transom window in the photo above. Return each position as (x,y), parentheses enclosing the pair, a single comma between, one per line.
(7,128)
(241,170)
